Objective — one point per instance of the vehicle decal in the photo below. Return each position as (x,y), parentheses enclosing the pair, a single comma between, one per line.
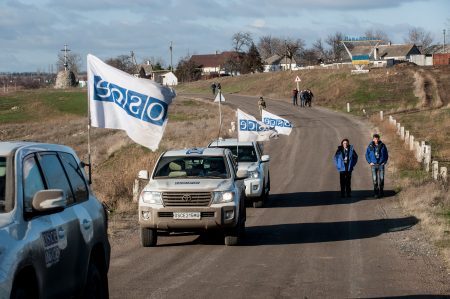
(195,151)
(86,223)
(52,252)
(187,183)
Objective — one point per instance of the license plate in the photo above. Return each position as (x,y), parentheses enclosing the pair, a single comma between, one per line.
(186,215)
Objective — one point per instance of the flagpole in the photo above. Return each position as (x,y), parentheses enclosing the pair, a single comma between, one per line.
(220,113)
(237,143)
(89,132)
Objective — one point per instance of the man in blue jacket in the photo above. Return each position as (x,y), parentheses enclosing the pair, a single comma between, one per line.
(345,160)
(377,157)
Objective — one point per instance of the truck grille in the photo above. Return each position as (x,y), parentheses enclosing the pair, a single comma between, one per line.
(179,199)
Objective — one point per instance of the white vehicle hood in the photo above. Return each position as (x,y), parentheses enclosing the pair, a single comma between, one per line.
(249,166)
(201,185)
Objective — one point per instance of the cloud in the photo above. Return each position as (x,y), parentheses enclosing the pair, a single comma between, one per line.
(258,23)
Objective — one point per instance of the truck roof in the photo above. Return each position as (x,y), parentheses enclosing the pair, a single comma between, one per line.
(229,142)
(195,152)
(8,147)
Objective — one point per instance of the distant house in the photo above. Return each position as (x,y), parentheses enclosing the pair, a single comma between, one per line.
(277,63)
(166,78)
(145,70)
(385,55)
(214,64)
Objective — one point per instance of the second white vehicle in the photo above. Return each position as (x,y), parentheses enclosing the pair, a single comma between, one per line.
(250,157)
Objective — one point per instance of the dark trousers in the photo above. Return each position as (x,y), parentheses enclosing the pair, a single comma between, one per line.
(346,182)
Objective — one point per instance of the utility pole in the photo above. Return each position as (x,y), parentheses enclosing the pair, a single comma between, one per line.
(285,53)
(65,50)
(171,65)
(443,49)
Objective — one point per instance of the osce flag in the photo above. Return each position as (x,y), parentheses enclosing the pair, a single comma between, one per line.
(283,126)
(118,100)
(250,129)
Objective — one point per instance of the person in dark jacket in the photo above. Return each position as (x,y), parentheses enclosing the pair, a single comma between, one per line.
(345,160)
(294,97)
(377,157)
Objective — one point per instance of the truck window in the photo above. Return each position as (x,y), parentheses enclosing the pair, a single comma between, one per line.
(76,177)
(32,182)
(55,175)
(191,167)
(247,153)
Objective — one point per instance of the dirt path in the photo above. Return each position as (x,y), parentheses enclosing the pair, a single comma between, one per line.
(307,242)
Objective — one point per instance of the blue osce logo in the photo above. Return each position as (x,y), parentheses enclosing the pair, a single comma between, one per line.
(276,122)
(251,125)
(135,104)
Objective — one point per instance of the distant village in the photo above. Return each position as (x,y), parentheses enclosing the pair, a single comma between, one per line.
(256,59)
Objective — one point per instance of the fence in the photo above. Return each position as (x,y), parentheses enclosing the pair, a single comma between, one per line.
(421,150)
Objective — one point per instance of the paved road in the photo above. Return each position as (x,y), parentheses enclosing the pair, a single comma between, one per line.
(306,242)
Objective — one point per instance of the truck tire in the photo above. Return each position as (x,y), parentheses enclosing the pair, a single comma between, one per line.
(234,236)
(149,237)
(96,282)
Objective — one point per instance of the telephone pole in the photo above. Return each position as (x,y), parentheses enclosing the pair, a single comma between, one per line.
(171,65)
(443,49)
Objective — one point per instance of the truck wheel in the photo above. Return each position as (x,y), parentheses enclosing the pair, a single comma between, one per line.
(96,282)
(234,236)
(149,237)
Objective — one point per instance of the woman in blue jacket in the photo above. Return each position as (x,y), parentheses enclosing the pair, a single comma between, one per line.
(345,160)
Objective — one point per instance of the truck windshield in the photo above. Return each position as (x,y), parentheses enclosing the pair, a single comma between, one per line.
(192,167)
(2,184)
(246,153)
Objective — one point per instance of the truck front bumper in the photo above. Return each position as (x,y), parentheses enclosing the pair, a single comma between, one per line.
(210,218)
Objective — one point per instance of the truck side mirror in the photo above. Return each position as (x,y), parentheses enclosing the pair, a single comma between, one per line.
(143,175)
(52,200)
(242,174)
(265,158)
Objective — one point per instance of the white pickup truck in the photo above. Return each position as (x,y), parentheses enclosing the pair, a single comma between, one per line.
(53,230)
(250,157)
(193,190)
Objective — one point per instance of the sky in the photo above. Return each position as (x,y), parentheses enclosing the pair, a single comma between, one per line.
(32,32)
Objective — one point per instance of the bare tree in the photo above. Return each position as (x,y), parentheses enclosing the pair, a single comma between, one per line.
(73,62)
(377,34)
(187,70)
(320,50)
(124,63)
(337,50)
(241,39)
(267,46)
(419,37)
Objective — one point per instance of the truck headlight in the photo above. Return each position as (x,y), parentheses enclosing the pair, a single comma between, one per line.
(253,174)
(151,197)
(223,197)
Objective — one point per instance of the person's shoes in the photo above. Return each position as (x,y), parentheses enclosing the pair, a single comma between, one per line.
(342,195)
(349,195)
(375,193)
(381,193)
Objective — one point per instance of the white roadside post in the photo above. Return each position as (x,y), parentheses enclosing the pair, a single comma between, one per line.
(427,158)
(443,174)
(136,190)
(348,107)
(398,128)
(407,137)
(411,142)
(402,133)
(435,170)
(418,151)
(381,115)
(391,120)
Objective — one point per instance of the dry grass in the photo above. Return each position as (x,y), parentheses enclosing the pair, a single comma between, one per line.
(420,196)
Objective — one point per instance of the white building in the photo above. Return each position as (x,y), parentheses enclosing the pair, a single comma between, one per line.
(279,63)
(166,78)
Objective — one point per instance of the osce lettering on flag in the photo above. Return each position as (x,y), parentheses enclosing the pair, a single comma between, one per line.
(250,129)
(283,126)
(118,100)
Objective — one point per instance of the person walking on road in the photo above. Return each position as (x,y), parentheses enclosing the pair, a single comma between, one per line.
(308,97)
(213,88)
(261,105)
(295,97)
(302,98)
(377,157)
(345,160)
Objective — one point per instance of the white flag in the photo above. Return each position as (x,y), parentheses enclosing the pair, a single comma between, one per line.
(118,100)
(251,129)
(219,97)
(283,126)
